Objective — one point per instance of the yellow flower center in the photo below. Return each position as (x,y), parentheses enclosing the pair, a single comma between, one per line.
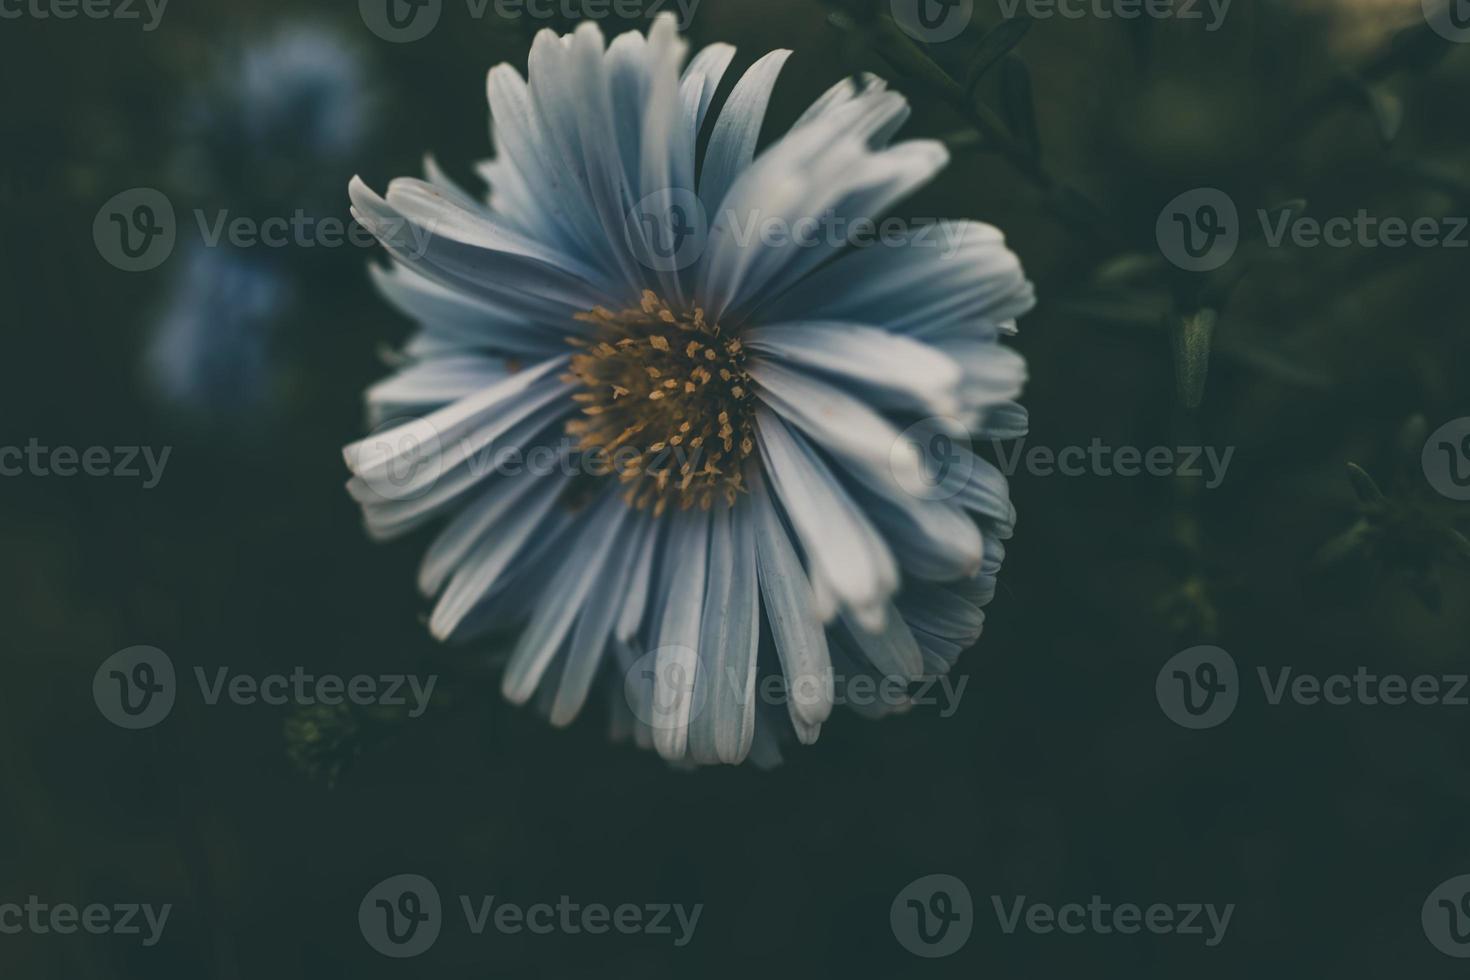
(666,402)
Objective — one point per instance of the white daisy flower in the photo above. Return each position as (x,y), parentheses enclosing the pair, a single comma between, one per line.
(712,484)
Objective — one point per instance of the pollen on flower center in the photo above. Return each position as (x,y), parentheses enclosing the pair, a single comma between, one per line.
(666,402)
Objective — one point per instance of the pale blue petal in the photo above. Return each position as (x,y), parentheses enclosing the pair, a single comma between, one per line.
(796,626)
(454,433)
(842,547)
(595,624)
(392,509)
(535,518)
(874,453)
(564,599)
(527,184)
(512,499)
(952,276)
(429,385)
(1007,420)
(730,635)
(892,651)
(700,82)
(687,567)
(891,370)
(732,144)
(454,322)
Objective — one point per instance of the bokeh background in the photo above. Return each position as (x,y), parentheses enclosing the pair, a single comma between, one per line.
(1058,777)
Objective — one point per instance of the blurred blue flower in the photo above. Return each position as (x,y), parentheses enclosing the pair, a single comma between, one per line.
(210,352)
(268,135)
(279,118)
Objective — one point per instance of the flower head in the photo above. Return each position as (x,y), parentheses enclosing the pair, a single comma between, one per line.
(754,446)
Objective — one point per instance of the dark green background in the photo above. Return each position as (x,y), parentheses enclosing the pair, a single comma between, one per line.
(1058,778)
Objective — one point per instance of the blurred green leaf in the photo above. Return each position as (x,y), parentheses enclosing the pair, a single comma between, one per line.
(1351,544)
(1411,437)
(900,51)
(1387,109)
(1128,269)
(1191,336)
(1459,545)
(1018,103)
(994,46)
(1364,486)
